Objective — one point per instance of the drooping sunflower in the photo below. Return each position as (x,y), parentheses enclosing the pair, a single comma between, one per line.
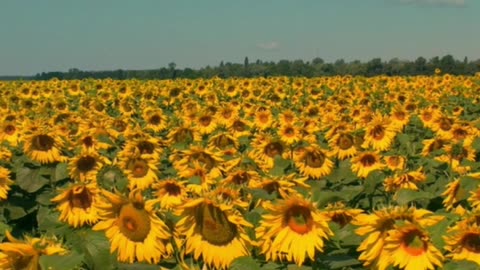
(44,146)
(17,254)
(404,180)
(133,228)
(451,194)
(366,162)
(410,248)
(142,144)
(170,193)
(77,204)
(455,155)
(225,142)
(239,127)
(214,230)
(312,161)
(5,183)
(292,230)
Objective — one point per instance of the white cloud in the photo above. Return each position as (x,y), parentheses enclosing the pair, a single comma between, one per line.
(268,45)
(455,3)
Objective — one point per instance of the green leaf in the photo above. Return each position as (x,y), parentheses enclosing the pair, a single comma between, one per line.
(280,165)
(61,172)
(48,221)
(245,262)
(340,261)
(30,180)
(195,180)
(97,251)
(57,262)
(4,227)
(463,265)
(15,212)
(404,196)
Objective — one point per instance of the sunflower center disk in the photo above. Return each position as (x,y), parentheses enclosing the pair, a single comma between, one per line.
(472,242)
(240,178)
(134,223)
(80,197)
(299,219)
(145,147)
(214,225)
(314,160)
(368,160)
(139,168)
(345,141)
(10,129)
(155,120)
(43,142)
(378,132)
(86,163)
(273,149)
(413,243)
(173,189)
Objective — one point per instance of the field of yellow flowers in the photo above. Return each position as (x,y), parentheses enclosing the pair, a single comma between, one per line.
(267,173)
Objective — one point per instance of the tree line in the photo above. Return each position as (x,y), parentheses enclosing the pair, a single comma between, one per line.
(315,67)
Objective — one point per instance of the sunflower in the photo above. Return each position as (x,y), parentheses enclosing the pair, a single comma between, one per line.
(465,134)
(226,114)
(155,120)
(366,162)
(287,117)
(144,145)
(312,161)
(442,127)
(342,145)
(379,133)
(9,132)
(431,145)
(451,194)
(242,177)
(206,122)
(410,248)
(455,155)
(133,228)
(77,204)
(264,119)
(428,116)
(207,157)
(340,214)
(197,171)
(463,241)
(293,229)
(404,180)
(289,134)
(141,171)
(183,134)
(399,117)
(239,127)
(265,149)
(5,183)
(214,229)
(17,254)
(375,227)
(43,146)
(224,142)
(89,142)
(170,193)
(395,162)
(85,166)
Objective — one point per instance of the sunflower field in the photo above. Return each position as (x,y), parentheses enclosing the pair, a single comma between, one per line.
(265,173)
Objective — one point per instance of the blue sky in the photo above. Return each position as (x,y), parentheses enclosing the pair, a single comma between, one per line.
(55,35)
